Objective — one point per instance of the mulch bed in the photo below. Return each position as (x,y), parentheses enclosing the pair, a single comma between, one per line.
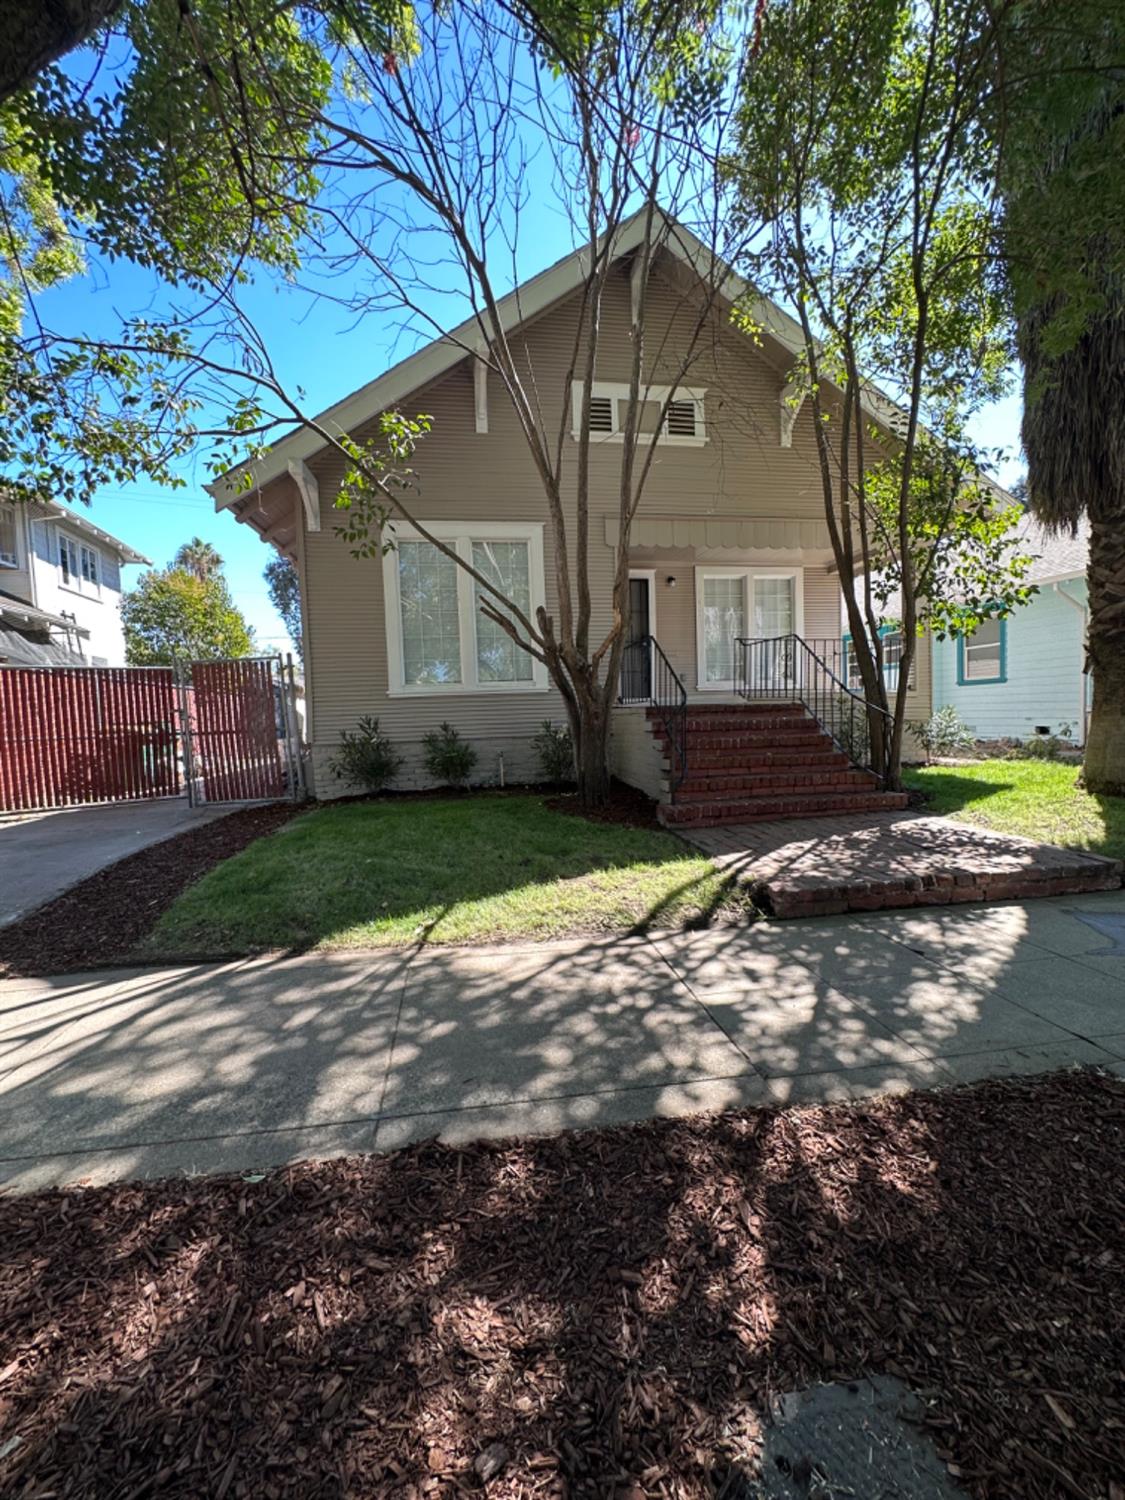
(601,1315)
(102,919)
(626,806)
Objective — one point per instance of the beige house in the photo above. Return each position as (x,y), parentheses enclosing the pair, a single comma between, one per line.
(729,544)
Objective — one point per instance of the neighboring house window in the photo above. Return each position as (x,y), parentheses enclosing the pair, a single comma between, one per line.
(682,421)
(88,559)
(9,558)
(68,562)
(438,640)
(79,566)
(892,656)
(982,655)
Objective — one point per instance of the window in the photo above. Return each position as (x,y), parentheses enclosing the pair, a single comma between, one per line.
(682,422)
(438,640)
(892,656)
(79,566)
(982,655)
(9,557)
(752,603)
(89,563)
(68,562)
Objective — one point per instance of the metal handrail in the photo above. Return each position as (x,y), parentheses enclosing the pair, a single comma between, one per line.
(789,669)
(645,666)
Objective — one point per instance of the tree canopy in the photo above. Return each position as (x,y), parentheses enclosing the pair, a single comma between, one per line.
(173,615)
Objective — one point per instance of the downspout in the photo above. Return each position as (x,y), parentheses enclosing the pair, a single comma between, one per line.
(1084,611)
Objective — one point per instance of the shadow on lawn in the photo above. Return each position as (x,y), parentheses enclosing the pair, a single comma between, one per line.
(611,1313)
(398,873)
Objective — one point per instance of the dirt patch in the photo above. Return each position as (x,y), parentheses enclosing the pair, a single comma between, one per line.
(600,1316)
(626,805)
(102,919)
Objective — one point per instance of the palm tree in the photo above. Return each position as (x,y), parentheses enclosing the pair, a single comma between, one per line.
(199,558)
(1074,416)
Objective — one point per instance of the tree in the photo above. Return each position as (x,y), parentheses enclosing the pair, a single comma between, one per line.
(1060,125)
(284,587)
(172,615)
(308,139)
(860,148)
(198,558)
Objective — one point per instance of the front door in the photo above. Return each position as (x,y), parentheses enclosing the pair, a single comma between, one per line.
(636,660)
(742,603)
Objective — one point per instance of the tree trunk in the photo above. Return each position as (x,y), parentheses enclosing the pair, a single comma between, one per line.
(590,728)
(34,34)
(1105,745)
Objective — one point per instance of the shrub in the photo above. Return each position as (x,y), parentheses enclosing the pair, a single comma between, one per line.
(366,756)
(1048,746)
(944,733)
(449,758)
(554,750)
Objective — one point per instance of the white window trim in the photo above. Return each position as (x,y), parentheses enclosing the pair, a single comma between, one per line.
(460,535)
(77,584)
(747,575)
(11,560)
(618,394)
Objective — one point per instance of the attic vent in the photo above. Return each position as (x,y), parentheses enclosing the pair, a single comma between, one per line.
(601,413)
(680,421)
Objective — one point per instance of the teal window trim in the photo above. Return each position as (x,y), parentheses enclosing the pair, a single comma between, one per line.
(845,642)
(963,681)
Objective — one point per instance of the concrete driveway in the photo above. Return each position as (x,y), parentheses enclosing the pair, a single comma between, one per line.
(235,1066)
(43,853)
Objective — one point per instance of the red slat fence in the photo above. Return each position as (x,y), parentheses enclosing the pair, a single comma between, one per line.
(238,746)
(74,735)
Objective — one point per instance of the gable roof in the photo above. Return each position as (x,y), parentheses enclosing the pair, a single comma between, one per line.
(59,512)
(525,302)
(779,333)
(1058,555)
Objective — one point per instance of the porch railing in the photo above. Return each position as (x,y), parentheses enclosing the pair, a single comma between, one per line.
(788,669)
(647,676)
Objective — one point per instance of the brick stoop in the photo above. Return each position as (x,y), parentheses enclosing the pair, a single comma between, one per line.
(753,762)
(826,866)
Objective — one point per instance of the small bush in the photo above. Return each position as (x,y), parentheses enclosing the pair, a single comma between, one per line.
(1047,746)
(554,750)
(449,758)
(944,733)
(366,756)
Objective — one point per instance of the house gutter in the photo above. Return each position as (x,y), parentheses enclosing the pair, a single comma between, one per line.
(1084,611)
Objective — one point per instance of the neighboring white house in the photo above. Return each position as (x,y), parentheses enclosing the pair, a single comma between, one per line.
(1025,675)
(60,588)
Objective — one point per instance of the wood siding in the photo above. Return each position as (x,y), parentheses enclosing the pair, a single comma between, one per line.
(741,471)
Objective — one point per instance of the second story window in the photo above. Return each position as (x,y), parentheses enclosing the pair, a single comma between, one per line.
(680,414)
(79,566)
(9,558)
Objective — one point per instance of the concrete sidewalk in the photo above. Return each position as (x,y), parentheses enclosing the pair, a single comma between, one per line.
(242,1065)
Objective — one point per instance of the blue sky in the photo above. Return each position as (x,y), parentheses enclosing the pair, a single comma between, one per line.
(318,346)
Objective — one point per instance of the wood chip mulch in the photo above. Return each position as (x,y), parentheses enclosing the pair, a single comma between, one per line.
(599,1315)
(102,919)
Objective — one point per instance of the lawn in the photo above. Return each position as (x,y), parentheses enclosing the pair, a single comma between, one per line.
(1038,799)
(451,870)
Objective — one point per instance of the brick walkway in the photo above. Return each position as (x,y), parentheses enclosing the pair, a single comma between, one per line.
(818,866)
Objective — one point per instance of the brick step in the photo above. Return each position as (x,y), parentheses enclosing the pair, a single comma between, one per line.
(751,710)
(705,740)
(761,809)
(736,784)
(706,723)
(825,759)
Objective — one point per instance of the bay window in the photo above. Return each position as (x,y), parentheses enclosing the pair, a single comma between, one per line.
(437,638)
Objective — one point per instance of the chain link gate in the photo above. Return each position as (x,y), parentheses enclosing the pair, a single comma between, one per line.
(239,730)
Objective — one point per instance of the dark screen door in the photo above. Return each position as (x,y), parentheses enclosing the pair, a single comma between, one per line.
(636,664)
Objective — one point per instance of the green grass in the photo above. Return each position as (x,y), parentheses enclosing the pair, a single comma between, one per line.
(478,869)
(1038,799)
